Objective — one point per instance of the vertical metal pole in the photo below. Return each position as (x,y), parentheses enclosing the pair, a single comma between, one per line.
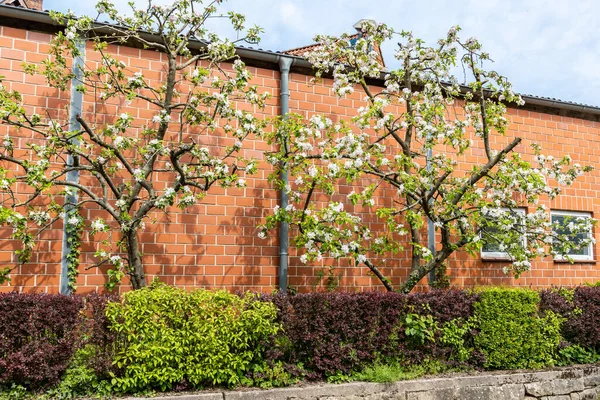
(430,226)
(71,199)
(284,67)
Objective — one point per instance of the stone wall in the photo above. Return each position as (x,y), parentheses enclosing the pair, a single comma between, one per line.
(572,383)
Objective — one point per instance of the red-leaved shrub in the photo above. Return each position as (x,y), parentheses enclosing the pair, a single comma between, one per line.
(342,332)
(95,332)
(581,309)
(37,337)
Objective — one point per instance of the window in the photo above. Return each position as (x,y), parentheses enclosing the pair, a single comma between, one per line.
(560,223)
(492,248)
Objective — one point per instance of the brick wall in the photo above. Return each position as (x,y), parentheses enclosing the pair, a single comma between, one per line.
(214,244)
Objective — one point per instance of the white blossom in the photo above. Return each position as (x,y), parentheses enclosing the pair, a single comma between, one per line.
(98,225)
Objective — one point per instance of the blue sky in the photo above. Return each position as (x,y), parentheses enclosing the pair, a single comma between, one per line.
(545,47)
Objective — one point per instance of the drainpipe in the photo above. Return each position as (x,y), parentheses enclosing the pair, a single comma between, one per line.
(284,68)
(72,176)
(430,226)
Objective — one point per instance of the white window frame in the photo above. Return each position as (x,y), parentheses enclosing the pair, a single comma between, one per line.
(502,255)
(575,257)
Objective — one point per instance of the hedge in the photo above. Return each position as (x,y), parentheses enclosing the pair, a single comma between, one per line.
(163,338)
(512,333)
(333,333)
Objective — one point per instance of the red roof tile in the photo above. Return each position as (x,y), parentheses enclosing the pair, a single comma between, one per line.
(301,51)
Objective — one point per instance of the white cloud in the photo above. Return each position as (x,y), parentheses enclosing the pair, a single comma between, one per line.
(290,12)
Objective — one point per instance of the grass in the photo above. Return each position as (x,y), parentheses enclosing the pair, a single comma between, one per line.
(395,371)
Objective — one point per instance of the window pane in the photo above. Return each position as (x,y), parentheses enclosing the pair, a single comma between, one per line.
(491,245)
(490,233)
(576,238)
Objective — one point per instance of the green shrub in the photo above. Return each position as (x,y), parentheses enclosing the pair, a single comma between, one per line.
(79,379)
(267,376)
(512,333)
(456,334)
(576,354)
(14,392)
(420,328)
(167,336)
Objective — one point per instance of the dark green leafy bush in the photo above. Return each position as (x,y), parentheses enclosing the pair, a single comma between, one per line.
(80,379)
(167,336)
(457,335)
(512,333)
(270,375)
(569,354)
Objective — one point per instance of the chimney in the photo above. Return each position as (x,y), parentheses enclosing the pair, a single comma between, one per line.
(358,25)
(31,4)
(35,4)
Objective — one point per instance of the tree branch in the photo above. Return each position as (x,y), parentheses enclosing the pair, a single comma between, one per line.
(482,172)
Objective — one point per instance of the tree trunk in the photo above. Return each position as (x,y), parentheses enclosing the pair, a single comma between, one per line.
(136,269)
(385,281)
(421,271)
(413,278)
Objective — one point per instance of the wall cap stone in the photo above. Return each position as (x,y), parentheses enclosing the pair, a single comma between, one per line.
(575,382)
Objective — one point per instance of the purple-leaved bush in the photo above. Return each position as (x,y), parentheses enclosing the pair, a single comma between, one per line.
(342,332)
(582,313)
(37,337)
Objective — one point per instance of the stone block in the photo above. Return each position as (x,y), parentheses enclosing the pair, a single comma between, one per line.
(539,389)
(481,393)
(436,394)
(354,391)
(505,392)
(574,373)
(567,386)
(199,396)
(493,380)
(427,384)
(513,391)
(374,396)
(591,370)
(555,387)
(591,380)
(588,394)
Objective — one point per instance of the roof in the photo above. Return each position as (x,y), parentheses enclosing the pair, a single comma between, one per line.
(301,51)
(31,4)
(39,20)
(555,100)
